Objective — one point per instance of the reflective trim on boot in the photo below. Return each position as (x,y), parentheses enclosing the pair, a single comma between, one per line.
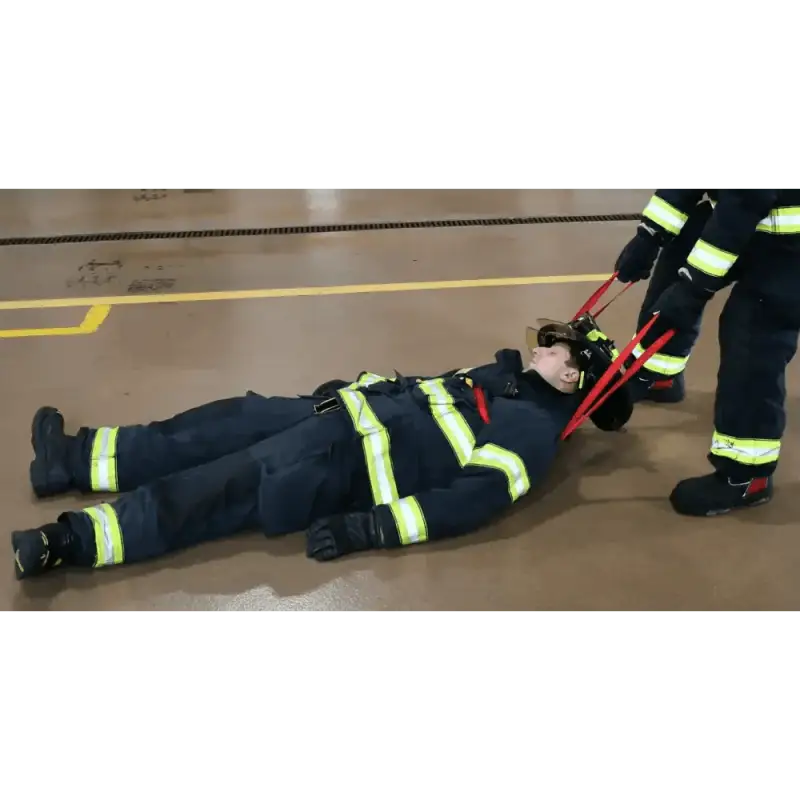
(669,390)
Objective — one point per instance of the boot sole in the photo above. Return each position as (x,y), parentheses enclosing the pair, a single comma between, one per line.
(41,470)
(18,542)
(724,511)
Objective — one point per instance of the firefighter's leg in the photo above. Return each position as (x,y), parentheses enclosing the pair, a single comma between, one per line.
(661,379)
(278,486)
(120,458)
(756,346)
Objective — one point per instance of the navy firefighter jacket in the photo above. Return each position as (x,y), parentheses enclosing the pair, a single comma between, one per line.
(764,223)
(445,455)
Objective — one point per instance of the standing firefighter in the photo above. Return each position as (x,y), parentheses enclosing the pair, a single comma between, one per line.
(708,240)
(378,463)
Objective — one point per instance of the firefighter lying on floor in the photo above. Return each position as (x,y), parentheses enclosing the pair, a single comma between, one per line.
(379,463)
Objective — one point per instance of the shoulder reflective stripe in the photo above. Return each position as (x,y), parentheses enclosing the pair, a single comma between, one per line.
(367,379)
(781,221)
(410,521)
(663,365)
(745,451)
(103,469)
(710,259)
(665,215)
(490,455)
(449,419)
(107,535)
(376,444)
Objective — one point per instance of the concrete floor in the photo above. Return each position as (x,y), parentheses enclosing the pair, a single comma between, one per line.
(599,536)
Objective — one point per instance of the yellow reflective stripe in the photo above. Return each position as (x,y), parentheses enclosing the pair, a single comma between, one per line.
(510,464)
(375,441)
(710,259)
(597,336)
(665,215)
(745,451)
(367,379)
(410,521)
(449,419)
(103,468)
(661,364)
(781,221)
(107,535)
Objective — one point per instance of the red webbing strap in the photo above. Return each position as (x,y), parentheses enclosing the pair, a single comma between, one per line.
(480,400)
(613,299)
(593,399)
(595,297)
(581,416)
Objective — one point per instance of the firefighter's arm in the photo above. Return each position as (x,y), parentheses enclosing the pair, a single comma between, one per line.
(731,227)
(506,463)
(668,210)
(662,220)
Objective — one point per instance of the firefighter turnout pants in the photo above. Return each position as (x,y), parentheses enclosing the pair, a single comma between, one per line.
(671,360)
(254,463)
(758,336)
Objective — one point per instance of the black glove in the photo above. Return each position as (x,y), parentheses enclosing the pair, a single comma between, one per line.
(681,304)
(637,258)
(341,535)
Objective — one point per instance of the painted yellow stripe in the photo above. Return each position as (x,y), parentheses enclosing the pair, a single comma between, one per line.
(298,291)
(94,318)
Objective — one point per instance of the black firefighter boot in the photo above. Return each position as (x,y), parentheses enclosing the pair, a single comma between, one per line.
(715,494)
(668,390)
(49,471)
(647,386)
(39,550)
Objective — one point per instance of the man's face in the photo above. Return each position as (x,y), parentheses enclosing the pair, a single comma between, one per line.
(551,364)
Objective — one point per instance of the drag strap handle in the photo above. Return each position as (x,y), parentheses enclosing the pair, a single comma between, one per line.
(593,401)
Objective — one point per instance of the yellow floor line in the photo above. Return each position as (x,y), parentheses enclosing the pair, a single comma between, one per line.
(299,291)
(94,318)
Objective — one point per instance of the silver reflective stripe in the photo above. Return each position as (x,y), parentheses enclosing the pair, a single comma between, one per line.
(107,535)
(103,470)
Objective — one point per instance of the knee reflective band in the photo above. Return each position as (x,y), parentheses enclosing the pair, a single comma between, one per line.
(494,457)
(665,215)
(750,452)
(449,419)
(661,364)
(103,471)
(410,521)
(107,535)
(781,221)
(710,259)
